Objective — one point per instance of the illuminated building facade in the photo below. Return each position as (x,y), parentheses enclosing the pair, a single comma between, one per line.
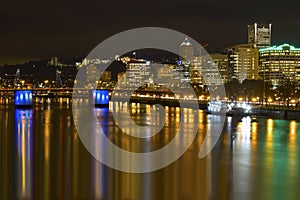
(196,75)
(186,50)
(53,61)
(279,63)
(210,72)
(259,35)
(243,62)
(106,76)
(121,79)
(137,73)
(221,60)
(165,75)
(92,73)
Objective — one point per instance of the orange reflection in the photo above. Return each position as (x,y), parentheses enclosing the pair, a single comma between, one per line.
(254,131)
(270,130)
(269,144)
(46,152)
(292,147)
(24,142)
(293,130)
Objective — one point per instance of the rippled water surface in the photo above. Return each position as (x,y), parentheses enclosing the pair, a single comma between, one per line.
(42,157)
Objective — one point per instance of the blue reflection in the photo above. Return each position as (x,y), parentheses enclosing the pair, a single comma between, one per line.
(100,174)
(23,131)
(102,115)
(101,97)
(23,97)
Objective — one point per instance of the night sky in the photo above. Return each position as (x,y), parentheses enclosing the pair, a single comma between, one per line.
(41,29)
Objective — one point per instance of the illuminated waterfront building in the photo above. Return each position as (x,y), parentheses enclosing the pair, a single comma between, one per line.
(221,61)
(243,62)
(93,70)
(137,73)
(259,35)
(279,63)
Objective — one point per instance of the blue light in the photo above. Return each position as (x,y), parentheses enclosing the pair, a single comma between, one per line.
(101,97)
(23,97)
(179,62)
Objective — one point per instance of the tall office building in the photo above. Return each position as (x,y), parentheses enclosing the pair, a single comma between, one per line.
(196,70)
(186,51)
(280,63)
(243,62)
(259,35)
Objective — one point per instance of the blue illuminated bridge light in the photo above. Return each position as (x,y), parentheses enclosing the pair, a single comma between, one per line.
(23,98)
(101,97)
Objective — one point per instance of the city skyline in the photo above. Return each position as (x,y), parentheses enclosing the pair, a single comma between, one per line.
(38,31)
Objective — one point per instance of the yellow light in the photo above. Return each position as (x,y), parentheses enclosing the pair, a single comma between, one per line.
(293,127)
(270,100)
(240,99)
(254,99)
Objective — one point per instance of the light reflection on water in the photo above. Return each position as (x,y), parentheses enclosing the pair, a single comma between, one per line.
(42,157)
(23,119)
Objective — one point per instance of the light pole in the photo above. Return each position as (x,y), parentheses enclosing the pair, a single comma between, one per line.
(264,90)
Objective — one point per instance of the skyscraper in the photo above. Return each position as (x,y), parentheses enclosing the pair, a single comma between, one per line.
(186,50)
(259,35)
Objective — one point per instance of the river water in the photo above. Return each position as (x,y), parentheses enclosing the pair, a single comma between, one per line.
(42,157)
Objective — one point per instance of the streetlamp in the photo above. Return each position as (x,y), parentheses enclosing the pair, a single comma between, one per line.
(264,90)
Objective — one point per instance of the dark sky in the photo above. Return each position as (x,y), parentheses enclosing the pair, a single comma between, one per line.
(41,29)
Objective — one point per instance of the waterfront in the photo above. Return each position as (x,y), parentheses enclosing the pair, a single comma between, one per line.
(42,157)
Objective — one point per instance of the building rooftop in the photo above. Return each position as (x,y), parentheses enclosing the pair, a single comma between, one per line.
(280,48)
(186,42)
